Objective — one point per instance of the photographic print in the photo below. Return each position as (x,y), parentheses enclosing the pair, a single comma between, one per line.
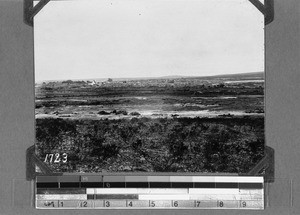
(149,86)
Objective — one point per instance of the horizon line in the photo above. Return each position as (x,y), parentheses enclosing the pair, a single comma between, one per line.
(152,77)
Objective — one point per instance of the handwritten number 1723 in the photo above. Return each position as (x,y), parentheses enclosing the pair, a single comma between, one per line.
(56,158)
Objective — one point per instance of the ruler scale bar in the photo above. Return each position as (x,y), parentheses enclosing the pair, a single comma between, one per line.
(61,191)
(150,185)
(149,192)
(47,185)
(69,184)
(137,184)
(91,184)
(151,204)
(116,196)
(90,178)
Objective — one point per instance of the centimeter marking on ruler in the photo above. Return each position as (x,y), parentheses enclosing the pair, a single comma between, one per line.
(150,204)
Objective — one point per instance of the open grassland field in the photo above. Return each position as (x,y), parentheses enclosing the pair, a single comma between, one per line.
(163,97)
(169,124)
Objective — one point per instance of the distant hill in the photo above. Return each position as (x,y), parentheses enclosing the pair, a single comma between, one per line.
(251,75)
(239,76)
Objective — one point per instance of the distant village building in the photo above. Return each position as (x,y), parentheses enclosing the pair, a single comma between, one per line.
(92,83)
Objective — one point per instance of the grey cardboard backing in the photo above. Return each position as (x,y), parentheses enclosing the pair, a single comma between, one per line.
(282,114)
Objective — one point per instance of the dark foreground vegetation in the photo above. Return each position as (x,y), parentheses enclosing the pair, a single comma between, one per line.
(221,144)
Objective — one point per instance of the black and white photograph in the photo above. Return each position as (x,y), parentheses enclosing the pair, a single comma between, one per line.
(149,107)
(150,86)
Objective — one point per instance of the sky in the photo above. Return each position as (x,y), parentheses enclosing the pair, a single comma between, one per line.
(89,39)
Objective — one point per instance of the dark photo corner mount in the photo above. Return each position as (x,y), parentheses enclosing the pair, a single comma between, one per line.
(264,167)
(30,10)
